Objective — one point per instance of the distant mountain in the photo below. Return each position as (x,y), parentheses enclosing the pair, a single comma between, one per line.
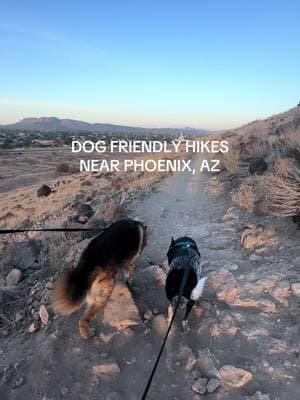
(53,124)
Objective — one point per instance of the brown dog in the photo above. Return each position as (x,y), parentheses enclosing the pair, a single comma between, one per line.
(92,281)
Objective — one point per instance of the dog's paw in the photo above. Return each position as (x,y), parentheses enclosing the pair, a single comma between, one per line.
(85,332)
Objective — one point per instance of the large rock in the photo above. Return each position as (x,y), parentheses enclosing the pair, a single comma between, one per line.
(257,166)
(253,237)
(84,213)
(121,311)
(22,255)
(281,292)
(213,385)
(14,277)
(159,325)
(186,357)
(234,377)
(200,386)
(235,295)
(296,289)
(206,364)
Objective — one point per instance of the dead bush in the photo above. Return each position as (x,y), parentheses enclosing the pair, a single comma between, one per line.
(244,197)
(283,167)
(282,197)
(259,148)
(63,168)
(231,160)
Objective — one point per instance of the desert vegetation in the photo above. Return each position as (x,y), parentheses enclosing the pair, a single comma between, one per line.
(264,159)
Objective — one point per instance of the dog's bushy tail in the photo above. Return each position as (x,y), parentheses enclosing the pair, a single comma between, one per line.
(69,293)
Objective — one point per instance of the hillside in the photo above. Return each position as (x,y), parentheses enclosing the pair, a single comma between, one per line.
(54,124)
(277,125)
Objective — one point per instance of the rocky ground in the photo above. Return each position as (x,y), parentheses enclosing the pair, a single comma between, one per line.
(243,342)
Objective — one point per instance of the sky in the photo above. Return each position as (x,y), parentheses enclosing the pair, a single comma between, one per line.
(204,64)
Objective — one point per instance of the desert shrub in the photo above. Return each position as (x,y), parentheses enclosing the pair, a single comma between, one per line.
(282,197)
(259,148)
(283,167)
(231,160)
(244,197)
(293,139)
(63,168)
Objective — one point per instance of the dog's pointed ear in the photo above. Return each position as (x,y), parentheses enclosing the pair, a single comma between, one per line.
(172,241)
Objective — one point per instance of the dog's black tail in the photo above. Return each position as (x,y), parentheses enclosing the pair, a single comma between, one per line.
(69,293)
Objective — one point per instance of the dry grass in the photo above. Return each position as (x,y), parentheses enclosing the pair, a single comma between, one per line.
(244,197)
(292,141)
(231,160)
(284,167)
(282,197)
(259,148)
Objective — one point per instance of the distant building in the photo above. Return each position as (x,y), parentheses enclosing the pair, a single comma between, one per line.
(180,138)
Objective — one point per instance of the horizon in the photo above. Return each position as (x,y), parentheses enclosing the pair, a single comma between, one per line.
(172,65)
(212,130)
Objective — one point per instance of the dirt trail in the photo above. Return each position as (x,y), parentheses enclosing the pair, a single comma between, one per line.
(248,317)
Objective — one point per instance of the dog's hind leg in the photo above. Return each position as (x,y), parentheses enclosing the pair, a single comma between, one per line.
(97,298)
(188,309)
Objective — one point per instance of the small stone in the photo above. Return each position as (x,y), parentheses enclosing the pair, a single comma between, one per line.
(19,316)
(108,368)
(287,364)
(206,363)
(296,289)
(33,327)
(258,396)
(19,382)
(159,325)
(255,257)
(200,386)
(213,385)
(234,377)
(148,315)
(77,351)
(64,391)
(196,374)
(131,361)
(231,267)
(44,316)
(49,285)
(14,277)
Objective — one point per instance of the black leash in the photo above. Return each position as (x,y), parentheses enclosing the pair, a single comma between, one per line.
(181,290)
(7,231)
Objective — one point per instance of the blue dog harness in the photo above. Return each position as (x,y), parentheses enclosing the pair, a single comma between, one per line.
(181,249)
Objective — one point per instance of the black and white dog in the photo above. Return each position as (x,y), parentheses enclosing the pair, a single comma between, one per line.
(183,253)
